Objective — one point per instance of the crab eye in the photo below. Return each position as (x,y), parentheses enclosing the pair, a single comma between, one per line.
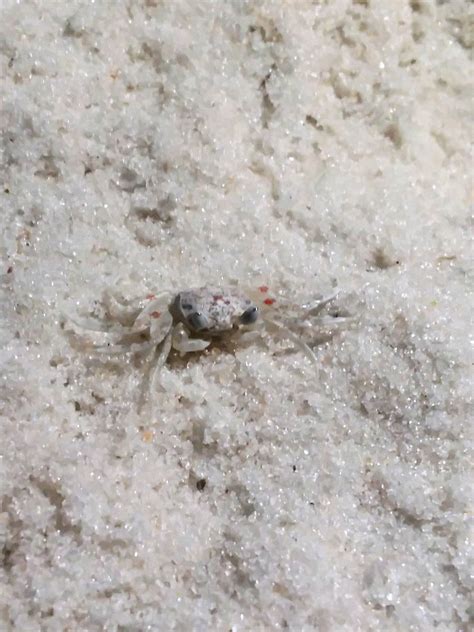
(249,316)
(197,321)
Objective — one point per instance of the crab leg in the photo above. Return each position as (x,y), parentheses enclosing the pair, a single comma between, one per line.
(124,349)
(153,366)
(120,310)
(160,360)
(294,338)
(97,335)
(153,309)
(334,320)
(313,309)
(160,326)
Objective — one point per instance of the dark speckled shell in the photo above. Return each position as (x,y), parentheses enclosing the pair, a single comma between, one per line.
(222,307)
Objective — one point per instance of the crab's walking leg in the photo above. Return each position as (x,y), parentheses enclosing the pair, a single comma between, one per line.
(161,358)
(294,338)
(184,344)
(97,336)
(153,366)
(160,326)
(161,338)
(159,329)
(332,321)
(120,310)
(313,309)
(154,309)
(124,349)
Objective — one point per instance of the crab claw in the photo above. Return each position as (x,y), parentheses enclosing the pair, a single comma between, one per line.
(184,344)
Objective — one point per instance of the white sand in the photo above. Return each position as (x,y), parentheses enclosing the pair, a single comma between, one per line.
(154,144)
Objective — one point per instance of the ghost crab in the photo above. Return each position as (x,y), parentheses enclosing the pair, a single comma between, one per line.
(189,320)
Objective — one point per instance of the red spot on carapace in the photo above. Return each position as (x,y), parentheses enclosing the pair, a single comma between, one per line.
(269,301)
(155,314)
(10,270)
(263,289)
(150,296)
(217,297)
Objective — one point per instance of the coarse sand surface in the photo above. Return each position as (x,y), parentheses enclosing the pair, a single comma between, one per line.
(306,145)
